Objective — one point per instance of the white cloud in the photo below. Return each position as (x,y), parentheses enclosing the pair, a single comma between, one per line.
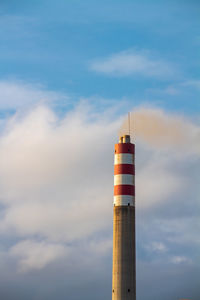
(157,247)
(101,247)
(182,230)
(192,83)
(180,259)
(130,63)
(35,255)
(16,94)
(171,90)
(56,176)
(157,181)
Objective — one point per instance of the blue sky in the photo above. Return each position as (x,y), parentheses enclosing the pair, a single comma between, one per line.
(55,45)
(70,71)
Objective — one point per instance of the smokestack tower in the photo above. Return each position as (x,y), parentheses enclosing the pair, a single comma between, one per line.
(124,262)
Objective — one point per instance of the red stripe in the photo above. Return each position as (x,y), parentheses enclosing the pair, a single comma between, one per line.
(124,189)
(124,169)
(124,148)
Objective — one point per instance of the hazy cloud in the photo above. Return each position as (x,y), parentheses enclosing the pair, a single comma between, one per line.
(18,94)
(157,247)
(36,255)
(192,83)
(180,259)
(129,63)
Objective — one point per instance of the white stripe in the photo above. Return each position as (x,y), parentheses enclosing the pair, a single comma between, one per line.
(124,200)
(124,158)
(124,179)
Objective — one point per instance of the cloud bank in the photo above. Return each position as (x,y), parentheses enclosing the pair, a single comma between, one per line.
(56,189)
(50,175)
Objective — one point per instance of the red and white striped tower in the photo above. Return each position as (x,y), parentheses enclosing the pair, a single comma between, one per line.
(124,262)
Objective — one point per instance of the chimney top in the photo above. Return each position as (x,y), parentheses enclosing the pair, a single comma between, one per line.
(125,139)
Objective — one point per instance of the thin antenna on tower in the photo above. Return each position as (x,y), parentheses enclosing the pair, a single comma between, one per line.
(129,123)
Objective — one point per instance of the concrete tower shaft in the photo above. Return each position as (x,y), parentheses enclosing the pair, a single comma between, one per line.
(124,265)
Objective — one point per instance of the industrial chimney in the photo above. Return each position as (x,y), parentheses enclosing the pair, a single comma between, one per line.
(124,262)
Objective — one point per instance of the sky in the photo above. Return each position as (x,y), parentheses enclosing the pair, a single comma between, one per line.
(70,72)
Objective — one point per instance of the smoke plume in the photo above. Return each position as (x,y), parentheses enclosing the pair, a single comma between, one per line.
(159,129)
